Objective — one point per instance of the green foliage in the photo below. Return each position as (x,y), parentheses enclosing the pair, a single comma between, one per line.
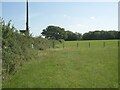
(18,48)
(14,48)
(101,35)
(73,36)
(54,32)
(61,40)
(41,43)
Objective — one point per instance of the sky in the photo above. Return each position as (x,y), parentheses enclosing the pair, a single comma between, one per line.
(61,0)
(74,16)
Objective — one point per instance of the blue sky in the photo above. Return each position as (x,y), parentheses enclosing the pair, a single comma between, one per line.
(74,16)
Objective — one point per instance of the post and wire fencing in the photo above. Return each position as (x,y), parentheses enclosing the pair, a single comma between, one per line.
(87,44)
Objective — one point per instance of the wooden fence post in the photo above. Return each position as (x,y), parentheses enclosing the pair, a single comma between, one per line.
(118,44)
(89,44)
(53,44)
(103,44)
(77,44)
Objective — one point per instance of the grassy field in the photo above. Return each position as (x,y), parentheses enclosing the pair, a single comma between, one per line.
(71,67)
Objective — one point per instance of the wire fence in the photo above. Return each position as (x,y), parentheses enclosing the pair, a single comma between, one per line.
(88,44)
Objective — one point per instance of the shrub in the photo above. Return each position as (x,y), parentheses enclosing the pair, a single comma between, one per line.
(18,48)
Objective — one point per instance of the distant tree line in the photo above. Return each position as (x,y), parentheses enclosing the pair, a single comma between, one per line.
(101,35)
(55,32)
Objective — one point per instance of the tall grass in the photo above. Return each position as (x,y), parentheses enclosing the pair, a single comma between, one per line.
(71,67)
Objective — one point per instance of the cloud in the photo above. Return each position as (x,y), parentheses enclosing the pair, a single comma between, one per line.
(81,28)
(92,18)
(79,25)
(66,16)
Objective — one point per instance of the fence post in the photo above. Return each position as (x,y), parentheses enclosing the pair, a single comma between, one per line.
(53,44)
(89,44)
(77,44)
(118,43)
(63,44)
(103,44)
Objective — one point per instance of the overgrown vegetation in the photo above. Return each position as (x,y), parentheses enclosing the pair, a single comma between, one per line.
(18,48)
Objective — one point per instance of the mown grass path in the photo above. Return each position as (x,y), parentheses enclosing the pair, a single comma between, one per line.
(70,67)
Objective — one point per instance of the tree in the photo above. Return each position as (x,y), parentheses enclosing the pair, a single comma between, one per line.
(73,36)
(54,32)
(100,35)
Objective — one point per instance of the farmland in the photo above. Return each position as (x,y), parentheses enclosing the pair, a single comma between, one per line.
(74,64)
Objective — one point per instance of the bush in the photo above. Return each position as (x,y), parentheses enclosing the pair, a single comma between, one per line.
(18,48)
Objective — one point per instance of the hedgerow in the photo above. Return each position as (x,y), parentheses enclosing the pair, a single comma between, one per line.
(18,48)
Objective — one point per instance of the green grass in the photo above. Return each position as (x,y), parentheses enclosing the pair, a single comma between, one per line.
(71,67)
(93,43)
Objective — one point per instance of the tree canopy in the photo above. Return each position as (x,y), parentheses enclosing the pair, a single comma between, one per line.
(101,35)
(73,36)
(55,32)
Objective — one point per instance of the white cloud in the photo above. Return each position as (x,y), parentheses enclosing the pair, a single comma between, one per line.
(81,28)
(66,16)
(79,25)
(92,18)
